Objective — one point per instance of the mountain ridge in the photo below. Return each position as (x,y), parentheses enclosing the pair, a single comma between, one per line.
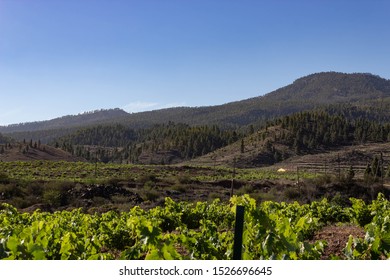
(68,120)
(305,93)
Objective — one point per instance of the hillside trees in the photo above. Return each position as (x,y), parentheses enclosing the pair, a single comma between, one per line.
(123,144)
(4,139)
(307,131)
(303,132)
(188,141)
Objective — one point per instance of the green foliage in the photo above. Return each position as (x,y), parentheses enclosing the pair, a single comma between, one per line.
(192,231)
(360,212)
(4,179)
(376,244)
(56,193)
(27,173)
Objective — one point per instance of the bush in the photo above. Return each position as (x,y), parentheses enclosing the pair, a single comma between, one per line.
(52,197)
(179,188)
(35,188)
(340,200)
(8,191)
(247,189)
(143,179)
(291,193)
(213,196)
(24,202)
(57,193)
(151,195)
(322,180)
(184,179)
(4,179)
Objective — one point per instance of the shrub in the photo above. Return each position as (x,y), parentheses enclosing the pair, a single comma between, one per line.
(340,200)
(179,188)
(143,179)
(4,179)
(213,196)
(35,188)
(52,197)
(8,191)
(184,179)
(151,195)
(322,180)
(56,193)
(291,193)
(247,189)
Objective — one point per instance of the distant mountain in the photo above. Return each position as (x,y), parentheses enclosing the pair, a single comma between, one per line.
(84,119)
(363,91)
(332,87)
(358,94)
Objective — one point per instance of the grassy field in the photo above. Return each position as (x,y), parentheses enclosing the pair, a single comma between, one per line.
(89,172)
(59,185)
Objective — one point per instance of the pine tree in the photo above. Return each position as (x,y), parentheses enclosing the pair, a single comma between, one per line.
(368,172)
(350,174)
(251,129)
(376,170)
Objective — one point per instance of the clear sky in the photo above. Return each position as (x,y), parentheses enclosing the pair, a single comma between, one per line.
(61,57)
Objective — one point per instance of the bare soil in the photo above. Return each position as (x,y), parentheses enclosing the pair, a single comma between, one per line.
(25,152)
(336,237)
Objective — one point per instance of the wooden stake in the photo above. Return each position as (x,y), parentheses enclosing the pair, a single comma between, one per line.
(238,232)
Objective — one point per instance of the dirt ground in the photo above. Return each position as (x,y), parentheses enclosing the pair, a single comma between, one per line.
(336,237)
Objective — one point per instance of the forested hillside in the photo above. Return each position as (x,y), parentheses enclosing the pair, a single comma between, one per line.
(69,121)
(315,113)
(366,93)
(312,130)
(302,133)
(163,143)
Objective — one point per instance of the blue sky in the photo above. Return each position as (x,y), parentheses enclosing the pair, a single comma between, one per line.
(60,57)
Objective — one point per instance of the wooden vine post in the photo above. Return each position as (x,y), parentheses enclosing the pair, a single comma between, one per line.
(238,232)
(234,175)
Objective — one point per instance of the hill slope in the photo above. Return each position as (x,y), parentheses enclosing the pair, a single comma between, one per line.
(354,95)
(88,118)
(310,132)
(307,132)
(364,91)
(26,152)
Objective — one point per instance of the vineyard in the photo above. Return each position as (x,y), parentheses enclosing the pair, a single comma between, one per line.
(79,211)
(85,172)
(197,231)
(52,186)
